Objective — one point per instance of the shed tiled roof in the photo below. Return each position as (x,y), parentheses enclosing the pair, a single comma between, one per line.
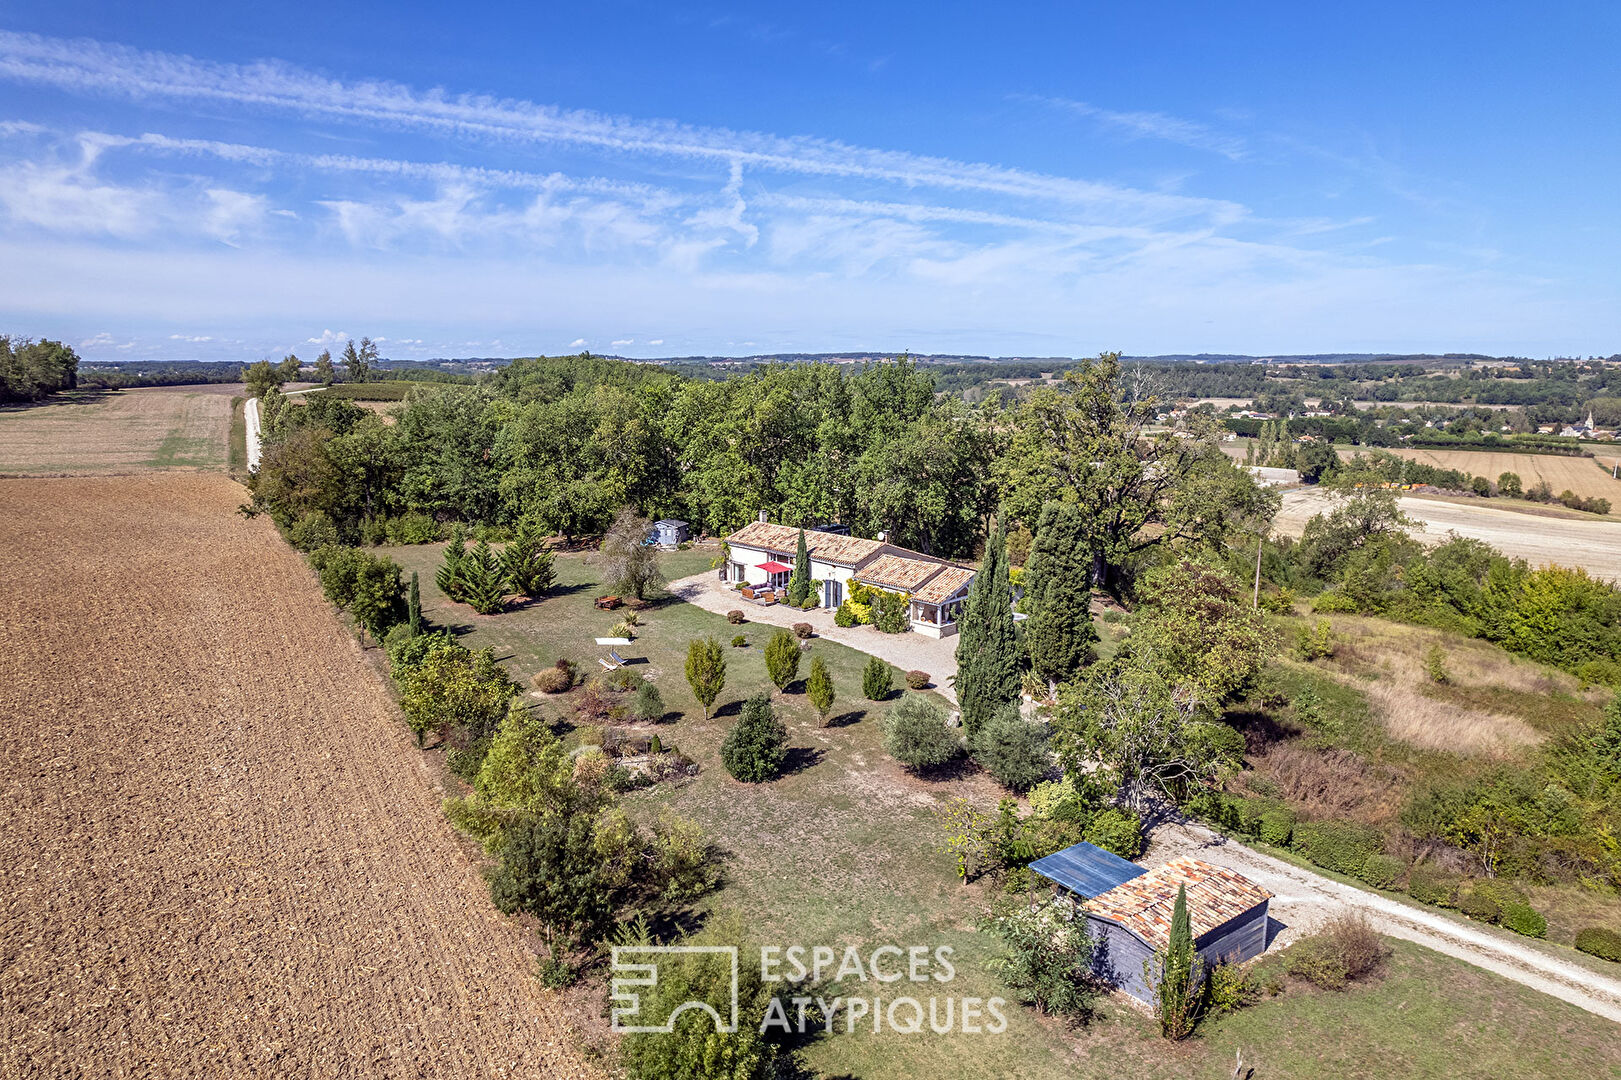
(898,572)
(1143,905)
(829,547)
(944,585)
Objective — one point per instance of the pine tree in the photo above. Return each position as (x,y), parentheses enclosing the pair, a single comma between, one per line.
(987,650)
(325,373)
(527,564)
(484,583)
(449,576)
(799,584)
(877,679)
(414,607)
(819,688)
(1058,595)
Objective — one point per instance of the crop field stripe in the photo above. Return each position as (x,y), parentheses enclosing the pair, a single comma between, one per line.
(220,854)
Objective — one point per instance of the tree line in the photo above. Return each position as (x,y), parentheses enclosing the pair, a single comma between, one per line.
(34,370)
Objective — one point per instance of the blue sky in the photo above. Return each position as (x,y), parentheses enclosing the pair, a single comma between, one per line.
(185,180)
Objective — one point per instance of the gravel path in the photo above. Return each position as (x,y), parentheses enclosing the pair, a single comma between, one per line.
(219,853)
(909,651)
(1304,899)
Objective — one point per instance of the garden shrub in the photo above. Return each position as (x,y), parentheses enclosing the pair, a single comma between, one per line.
(312,531)
(1013,749)
(406,651)
(740,642)
(1382,871)
(1277,825)
(552,680)
(1249,815)
(889,611)
(915,734)
(1479,906)
(622,679)
(1601,942)
(464,761)
(412,528)
(1430,884)
(782,659)
(1346,949)
(1524,919)
(1228,989)
(1341,846)
(803,630)
(735,617)
(877,679)
(648,707)
(844,617)
(917,680)
(756,746)
(1117,830)
(1501,892)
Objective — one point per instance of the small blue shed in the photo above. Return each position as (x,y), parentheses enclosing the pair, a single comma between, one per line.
(1128,910)
(669,532)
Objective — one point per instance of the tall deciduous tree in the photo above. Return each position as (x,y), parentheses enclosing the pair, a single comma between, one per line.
(325,373)
(1094,441)
(1195,619)
(289,367)
(706,671)
(987,649)
(630,565)
(1058,596)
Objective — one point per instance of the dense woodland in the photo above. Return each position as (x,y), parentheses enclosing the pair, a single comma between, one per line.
(34,370)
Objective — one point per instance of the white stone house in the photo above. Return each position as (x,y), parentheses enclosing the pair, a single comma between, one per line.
(762,553)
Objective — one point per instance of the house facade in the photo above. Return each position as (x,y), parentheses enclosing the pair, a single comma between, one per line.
(762,553)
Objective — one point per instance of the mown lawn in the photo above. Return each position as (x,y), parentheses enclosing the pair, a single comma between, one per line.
(843,851)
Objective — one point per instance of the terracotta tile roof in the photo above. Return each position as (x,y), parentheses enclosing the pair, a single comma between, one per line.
(898,572)
(829,547)
(1143,905)
(944,585)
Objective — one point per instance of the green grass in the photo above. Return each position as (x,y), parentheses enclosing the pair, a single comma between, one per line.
(374,391)
(183,450)
(238,459)
(842,851)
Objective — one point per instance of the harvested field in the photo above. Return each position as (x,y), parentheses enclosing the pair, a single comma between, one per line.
(1585,476)
(114,431)
(220,854)
(1560,538)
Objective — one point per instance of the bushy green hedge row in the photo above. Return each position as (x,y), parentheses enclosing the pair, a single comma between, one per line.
(1600,942)
(1341,846)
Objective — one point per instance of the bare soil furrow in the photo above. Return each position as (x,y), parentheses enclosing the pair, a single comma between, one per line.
(219,854)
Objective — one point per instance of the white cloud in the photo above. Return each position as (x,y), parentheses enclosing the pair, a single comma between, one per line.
(622,341)
(656,341)
(577,343)
(328,338)
(193,339)
(1155,125)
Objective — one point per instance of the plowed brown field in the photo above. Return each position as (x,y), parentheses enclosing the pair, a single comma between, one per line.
(219,855)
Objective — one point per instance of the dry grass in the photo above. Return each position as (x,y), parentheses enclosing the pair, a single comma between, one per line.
(1492,703)
(168,427)
(1330,782)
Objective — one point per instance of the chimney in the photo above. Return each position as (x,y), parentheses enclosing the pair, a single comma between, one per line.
(762,516)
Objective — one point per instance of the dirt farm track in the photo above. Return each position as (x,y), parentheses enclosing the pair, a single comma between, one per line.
(220,855)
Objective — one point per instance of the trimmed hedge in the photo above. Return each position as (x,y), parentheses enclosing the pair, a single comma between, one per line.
(1341,846)
(1277,826)
(1524,919)
(1601,942)
(1382,871)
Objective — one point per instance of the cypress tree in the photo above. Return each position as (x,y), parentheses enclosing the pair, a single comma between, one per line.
(414,606)
(1180,975)
(1058,595)
(799,585)
(987,649)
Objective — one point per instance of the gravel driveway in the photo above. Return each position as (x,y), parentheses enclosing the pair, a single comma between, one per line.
(1302,900)
(909,651)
